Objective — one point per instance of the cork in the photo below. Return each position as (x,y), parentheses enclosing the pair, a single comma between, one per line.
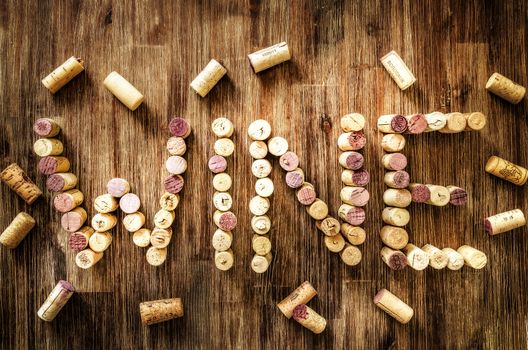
(100,241)
(359,177)
(74,220)
(506,170)
(259,205)
(160,237)
(473,257)
(222,182)
(350,255)
(261,224)
(393,142)
(63,74)
(179,127)
(46,127)
(416,123)
(277,146)
(17,230)
(260,263)
(208,77)
(53,164)
(351,141)
(105,203)
(351,160)
(416,257)
(435,121)
(156,256)
(227,221)
(398,70)
(352,215)
(309,319)
(400,198)
(261,168)
(123,90)
(222,201)
(141,237)
(504,222)
(394,161)
(217,164)
(176,165)
(224,260)
(224,147)
(264,187)
(397,179)
(117,187)
(306,194)
(222,240)
(395,216)
(455,261)
(68,200)
(61,182)
(222,127)
(59,296)
(475,121)
(318,209)
(505,88)
(393,306)
(164,218)
(134,221)
(295,179)
(157,311)
(79,239)
(420,193)
(438,259)
(261,244)
(103,222)
(440,195)
(289,161)
(354,234)
(269,57)
(48,147)
(87,258)
(301,295)
(457,195)
(356,196)
(176,146)
(456,122)
(258,149)
(259,130)
(169,201)
(352,122)
(335,243)
(173,184)
(394,237)
(329,226)
(392,124)
(394,259)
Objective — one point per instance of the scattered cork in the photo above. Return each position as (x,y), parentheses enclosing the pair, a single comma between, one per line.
(456,122)
(53,164)
(103,222)
(61,182)
(359,177)
(68,200)
(289,161)
(301,295)
(224,260)
(227,221)
(48,147)
(222,182)
(393,142)
(318,210)
(504,222)
(224,147)
(123,90)
(269,57)
(259,205)
(352,215)
(416,257)
(169,201)
(173,184)
(392,124)
(63,74)
(74,220)
(505,88)
(329,226)
(117,187)
(435,121)
(335,244)
(400,198)
(394,161)
(264,187)
(129,203)
(397,179)
(179,127)
(398,70)
(306,194)
(261,244)
(277,146)
(506,170)
(457,195)
(476,121)
(440,195)
(157,311)
(46,127)
(222,240)
(394,259)
(176,146)
(141,237)
(455,261)
(259,130)
(160,237)
(258,149)
(17,230)
(176,165)
(438,259)
(222,127)
(309,318)
(208,78)
(395,216)
(79,240)
(87,258)
(156,256)
(261,168)
(356,196)
(352,141)
(164,218)
(416,123)
(134,221)
(105,203)
(217,164)
(17,180)
(261,224)
(393,306)
(100,241)
(350,255)
(59,296)
(420,193)
(394,237)
(352,122)
(473,257)
(260,264)
(295,179)
(351,160)
(354,234)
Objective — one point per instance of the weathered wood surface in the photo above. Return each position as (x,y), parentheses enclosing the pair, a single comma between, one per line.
(452,48)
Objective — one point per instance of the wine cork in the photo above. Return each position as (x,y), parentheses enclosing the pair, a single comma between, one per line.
(261,168)
(48,147)
(74,220)
(53,164)
(222,127)
(440,195)
(392,124)
(103,222)
(473,257)
(356,196)
(46,127)
(394,161)
(352,215)
(261,244)
(435,121)
(416,123)
(475,121)
(352,122)
(350,255)
(394,259)
(156,256)
(289,161)
(354,234)
(157,311)
(63,74)
(164,218)
(400,198)
(179,127)
(395,216)
(352,141)
(301,295)
(456,122)
(176,146)
(310,319)
(329,226)
(141,237)
(176,165)
(59,296)
(224,260)
(117,187)
(393,142)
(79,239)
(277,146)
(224,147)
(351,160)
(169,201)
(437,258)
(160,237)
(173,184)
(222,201)
(506,170)
(222,182)
(318,210)
(208,77)
(416,257)
(457,195)
(260,263)
(258,149)
(420,193)
(261,224)
(335,244)
(393,306)
(87,258)
(397,179)
(227,221)
(105,203)
(455,261)
(217,164)
(306,194)
(259,130)
(505,88)
(394,237)
(123,90)
(295,179)
(264,187)
(269,57)
(17,230)
(398,70)
(222,240)
(359,177)
(504,222)
(100,241)
(68,200)
(134,221)
(259,205)
(61,182)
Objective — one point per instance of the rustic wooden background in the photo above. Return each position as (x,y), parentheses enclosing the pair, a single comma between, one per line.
(451,46)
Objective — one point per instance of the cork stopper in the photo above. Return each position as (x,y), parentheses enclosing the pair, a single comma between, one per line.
(435,121)
(352,141)
(208,78)
(63,74)
(261,168)
(48,147)
(301,295)
(217,164)
(352,122)
(394,259)
(416,257)
(356,196)
(329,226)
(440,195)
(260,263)
(261,244)
(352,215)
(259,205)
(123,90)
(476,121)
(129,203)
(222,127)
(335,243)
(224,260)
(309,318)
(397,179)
(46,127)
(222,201)
(420,193)
(393,142)
(455,260)
(438,259)
(400,198)
(224,147)
(164,218)
(79,240)
(269,57)
(227,221)
(393,306)
(506,170)
(222,240)
(264,187)
(179,127)
(17,180)
(289,161)
(17,230)
(457,195)
(473,257)
(395,216)
(74,220)
(277,146)
(394,237)
(157,311)
(87,258)
(306,194)
(318,210)
(105,203)
(504,222)
(354,234)
(141,237)
(156,256)
(259,130)
(359,177)
(261,224)
(416,123)
(61,182)
(258,149)
(103,222)
(117,187)
(173,184)
(67,201)
(505,88)
(53,164)
(350,255)
(134,221)
(169,201)
(456,122)
(160,237)
(59,296)
(176,146)
(392,124)
(176,165)
(398,70)
(222,182)
(351,160)
(100,241)
(394,161)
(295,179)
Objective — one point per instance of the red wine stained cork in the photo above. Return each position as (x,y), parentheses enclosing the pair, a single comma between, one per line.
(258,149)
(260,264)
(173,183)
(264,187)
(350,255)
(224,260)
(55,301)
(87,258)
(437,258)
(227,221)
(160,237)
(259,205)
(473,257)
(289,161)
(354,234)
(74,220)
(259,130)
(157,311)
(420,193)
(217,164)
(164,218)
(392,123)
(224,147)
(393,142)
(261,224)
(400,198)
(506,170)
(505,88)
(397,179)
(306,195)
(17,230)
(329,226)
(398,70)
(435,121)
(123,90)
(456,122)
(440,195)
(46,127)
(351,160)
(416,257)
(277,146)
(318,210)
(394,161)
(222,240)
(393,306)
(105,203)
(103,222)
(169,201)
(53,164)
(476,121)
(179,127)
(222,182)
(295,178)
(68,200)
(395,216)
(61,182)
(261,168)
(394,237)
(310,319)
(63,74)
(335,244)
(156,256)
(356,196)
(17,180)
(394,259)
(359,177)
(134,221)
(301,295)
(352,122)
(208,77)
(269,57)
(457,195)
(504,222)
(353,215)
(455,260)
(79,240)
(176,165)
(222,127)
(100,241)
(261,244)
(176,146)
(129,203)
(352,141)
(141,237)
(416,123)
(48,147)
(117,187)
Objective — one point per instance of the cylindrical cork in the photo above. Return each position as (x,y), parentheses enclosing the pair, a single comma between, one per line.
(504,222)
(457,195)
(398,70)
(394,237)
(476,121)
(105,203)
(222,127)
(394,161)
(224,260)
(164,218)
(416,257)
(103,222)
(48,147)
(261,224)
(130,203)
(179,127)
(141,237)
(259,149)
(329,226)
(352,122)
(455,261)
(208,77)
(53,164)
(176,165)
(134,221)
(456,122)
(261,244)
(393,306)
(295,178)
(56,300)
(156,256)
(222,182)
(309,318)
(63,74)
(277,146)
(359,177)
(435,121)
(505,88)
(289,161)
(394,259)
(160,238)
(87,258)
(46,127)
(117,187)
(269,57)
(335,244)
(68,200)
(173,184)
(420,193)
(318,209)
(79,240)
(352,141)
(301,295)
(17,230)
(169,201)
(157,311)
(306,194)
(224,147)
(440,195)
(392,124)
(74,220)
(507,171)
(17,180)
(438,259)
(473,257)
(351,160)
(354,234)
(259,130)
(176,146)
(222,240)
(100,241)
(227,221)
(400,198)
(61,182)
(350,255)
(397,179)
(123,90)
(260,263)
(356,196)
(352,215)
(217,164)
(416,123)
(259,205)
(264,187)
(395,216)
(393,142)
(261,168)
